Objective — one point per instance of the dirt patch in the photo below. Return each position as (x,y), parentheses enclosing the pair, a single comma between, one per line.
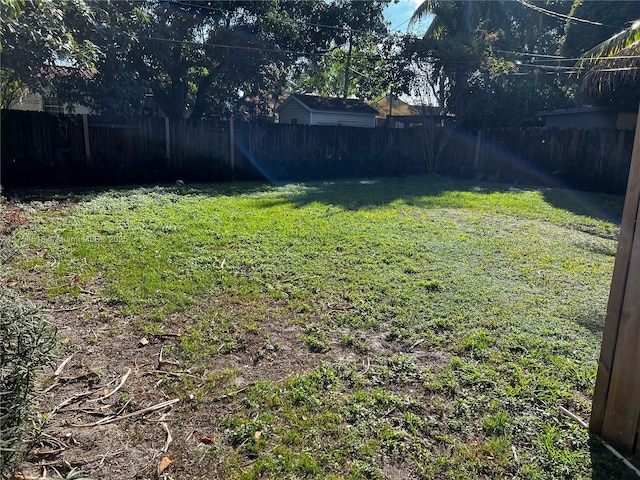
(88,427)
(100,398)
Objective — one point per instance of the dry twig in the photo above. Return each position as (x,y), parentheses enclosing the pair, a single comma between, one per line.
(122,381)
(169,439)
(150,409)
(368,366)
(62,365)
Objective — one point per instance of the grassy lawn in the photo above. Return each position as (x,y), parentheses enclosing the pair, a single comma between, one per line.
(396,328)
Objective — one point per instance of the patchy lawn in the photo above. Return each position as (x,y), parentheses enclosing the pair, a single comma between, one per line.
(394,328)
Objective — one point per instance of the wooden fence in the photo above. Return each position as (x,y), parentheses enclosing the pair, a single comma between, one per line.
(615,412)
(40,149)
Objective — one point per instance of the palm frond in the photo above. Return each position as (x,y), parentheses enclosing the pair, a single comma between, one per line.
(611,63)
(613,45)
(425,8)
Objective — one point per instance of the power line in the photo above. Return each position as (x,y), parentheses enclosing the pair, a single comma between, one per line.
(262,49)
(556,58)
(560,16)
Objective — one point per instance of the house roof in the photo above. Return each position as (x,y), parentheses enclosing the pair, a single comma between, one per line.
(52,71)
(314,103)
(572,111)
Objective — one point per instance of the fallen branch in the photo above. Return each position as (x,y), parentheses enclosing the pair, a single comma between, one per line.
(105,421)
(616,454)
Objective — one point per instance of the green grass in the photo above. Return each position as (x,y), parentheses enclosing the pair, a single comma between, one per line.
(502,291)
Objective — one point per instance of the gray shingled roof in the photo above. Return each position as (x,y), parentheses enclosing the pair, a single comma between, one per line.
(350,105)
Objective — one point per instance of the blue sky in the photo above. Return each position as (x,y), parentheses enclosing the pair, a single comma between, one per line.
(400,13)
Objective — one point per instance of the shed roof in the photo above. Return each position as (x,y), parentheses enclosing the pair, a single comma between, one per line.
(322,104)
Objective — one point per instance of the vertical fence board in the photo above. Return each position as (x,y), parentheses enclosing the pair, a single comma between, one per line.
(623,398)
(615,312)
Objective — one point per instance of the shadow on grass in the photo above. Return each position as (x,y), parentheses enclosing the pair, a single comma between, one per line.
(348,194)
(604,465)
(425,191)
(600,206)
(83,194)
(592,320)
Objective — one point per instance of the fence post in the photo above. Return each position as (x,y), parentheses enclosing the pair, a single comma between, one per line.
(476,159)
(167,138)
(232,141)
(87,142)
(616,399)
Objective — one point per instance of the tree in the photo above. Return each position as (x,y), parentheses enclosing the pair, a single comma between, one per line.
(30,55)
(199,58)
(455,56)
(353,65)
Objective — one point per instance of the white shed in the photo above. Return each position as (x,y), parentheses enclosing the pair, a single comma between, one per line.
(313,110)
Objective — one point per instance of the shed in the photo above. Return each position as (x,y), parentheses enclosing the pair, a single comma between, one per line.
(589,117)
(314,110)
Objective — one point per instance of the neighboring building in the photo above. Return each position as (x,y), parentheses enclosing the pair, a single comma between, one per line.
(37,102)
(589,117)
(49,102)
(313,110)
(399,114)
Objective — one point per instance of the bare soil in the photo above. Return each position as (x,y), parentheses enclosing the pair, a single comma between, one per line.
(88,428)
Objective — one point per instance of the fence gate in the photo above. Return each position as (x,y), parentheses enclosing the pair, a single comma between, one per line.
(615,413)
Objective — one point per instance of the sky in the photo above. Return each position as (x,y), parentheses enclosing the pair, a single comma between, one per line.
(399,14)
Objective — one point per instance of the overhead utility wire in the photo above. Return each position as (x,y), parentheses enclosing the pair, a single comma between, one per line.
(259,49)
(561,16)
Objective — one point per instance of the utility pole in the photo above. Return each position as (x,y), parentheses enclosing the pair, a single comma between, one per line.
(345,91)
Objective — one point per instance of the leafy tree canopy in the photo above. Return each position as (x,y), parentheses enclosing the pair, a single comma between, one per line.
(33,57)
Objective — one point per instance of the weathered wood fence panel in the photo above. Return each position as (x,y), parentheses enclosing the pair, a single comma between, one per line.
(616,402)
(40,149)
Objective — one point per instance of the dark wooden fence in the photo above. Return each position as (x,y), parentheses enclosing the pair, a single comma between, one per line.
(40,149)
